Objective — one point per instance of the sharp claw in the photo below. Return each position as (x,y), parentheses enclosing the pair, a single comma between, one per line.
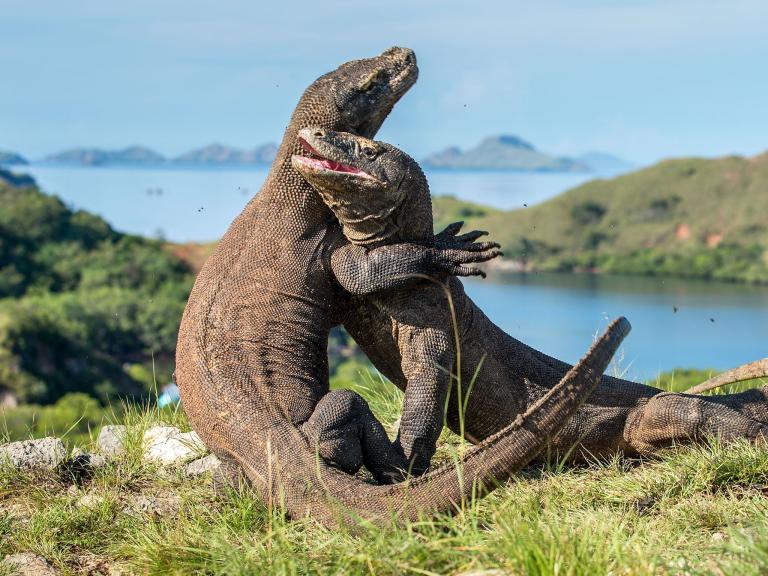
(453,228)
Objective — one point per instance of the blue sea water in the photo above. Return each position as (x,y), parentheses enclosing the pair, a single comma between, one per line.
(197,204)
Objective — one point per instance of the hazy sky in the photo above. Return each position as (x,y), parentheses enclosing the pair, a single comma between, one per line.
(641,79)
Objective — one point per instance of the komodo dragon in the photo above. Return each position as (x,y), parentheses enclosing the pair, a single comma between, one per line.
(251,359)
(408,334)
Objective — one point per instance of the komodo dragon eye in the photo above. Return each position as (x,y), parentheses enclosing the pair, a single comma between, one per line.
(369,152)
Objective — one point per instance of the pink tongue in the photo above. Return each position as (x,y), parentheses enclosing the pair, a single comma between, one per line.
(338,167)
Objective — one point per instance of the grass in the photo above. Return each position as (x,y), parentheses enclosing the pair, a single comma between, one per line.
(697,510)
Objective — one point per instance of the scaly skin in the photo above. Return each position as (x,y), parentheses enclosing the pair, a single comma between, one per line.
(408,334)
(251,358)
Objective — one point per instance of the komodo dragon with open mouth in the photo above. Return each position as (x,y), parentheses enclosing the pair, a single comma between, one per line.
(251,360)
(408,334)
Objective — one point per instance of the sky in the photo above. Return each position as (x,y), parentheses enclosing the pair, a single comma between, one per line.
(643,80)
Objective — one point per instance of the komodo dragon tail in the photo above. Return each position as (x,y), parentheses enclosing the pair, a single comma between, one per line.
(756,369)
(287,471)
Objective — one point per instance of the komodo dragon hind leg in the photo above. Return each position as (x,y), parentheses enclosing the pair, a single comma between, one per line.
(669,418)
(347,435)
(752,403)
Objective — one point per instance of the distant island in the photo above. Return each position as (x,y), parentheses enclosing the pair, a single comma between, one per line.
(216,154)
(603,163)
(133,155)
(8,158)
(503,152)
(506,152)
(212,155)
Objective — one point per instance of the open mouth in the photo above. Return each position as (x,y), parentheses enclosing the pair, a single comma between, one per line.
(318,162)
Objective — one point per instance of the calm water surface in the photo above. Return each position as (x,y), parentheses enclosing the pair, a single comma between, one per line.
(198,204)
(716,325)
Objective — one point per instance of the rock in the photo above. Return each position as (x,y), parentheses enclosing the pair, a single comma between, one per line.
(44,453)
(96,460)
(19,513)
(158,506)
(110,441)
(90,500)
(168,446)
(201,466)
(28,564)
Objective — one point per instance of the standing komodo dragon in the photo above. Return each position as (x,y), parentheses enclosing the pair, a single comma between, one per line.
(408,334)
(251,358)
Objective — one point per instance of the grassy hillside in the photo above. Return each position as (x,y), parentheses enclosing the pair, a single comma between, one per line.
(687,217)
(83,308)
(700,510)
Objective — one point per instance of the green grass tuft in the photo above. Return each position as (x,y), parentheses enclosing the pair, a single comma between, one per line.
(695,510)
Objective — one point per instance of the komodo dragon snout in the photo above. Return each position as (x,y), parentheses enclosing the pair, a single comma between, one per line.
(384,78)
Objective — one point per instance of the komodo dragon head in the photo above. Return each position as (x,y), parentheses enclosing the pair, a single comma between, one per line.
(360,94)
(374,189)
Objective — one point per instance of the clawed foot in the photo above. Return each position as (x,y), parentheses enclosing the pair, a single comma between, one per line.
(453,252)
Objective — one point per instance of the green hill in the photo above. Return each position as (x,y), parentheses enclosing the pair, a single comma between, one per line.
(83,308)
(687,217)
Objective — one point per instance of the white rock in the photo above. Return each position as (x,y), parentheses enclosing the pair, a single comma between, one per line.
(45,453)
(96,460)
(110,441)
(28,564)
(167,505)
(202,465)
(169,446)
(91,500)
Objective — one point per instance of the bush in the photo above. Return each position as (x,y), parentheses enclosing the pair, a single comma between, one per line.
(74,416)
(82,302)
(587,213)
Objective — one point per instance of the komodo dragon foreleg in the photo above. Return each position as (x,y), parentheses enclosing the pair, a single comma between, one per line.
(342,426)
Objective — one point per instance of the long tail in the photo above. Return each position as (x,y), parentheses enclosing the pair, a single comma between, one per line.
(288,472)
(756,369)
